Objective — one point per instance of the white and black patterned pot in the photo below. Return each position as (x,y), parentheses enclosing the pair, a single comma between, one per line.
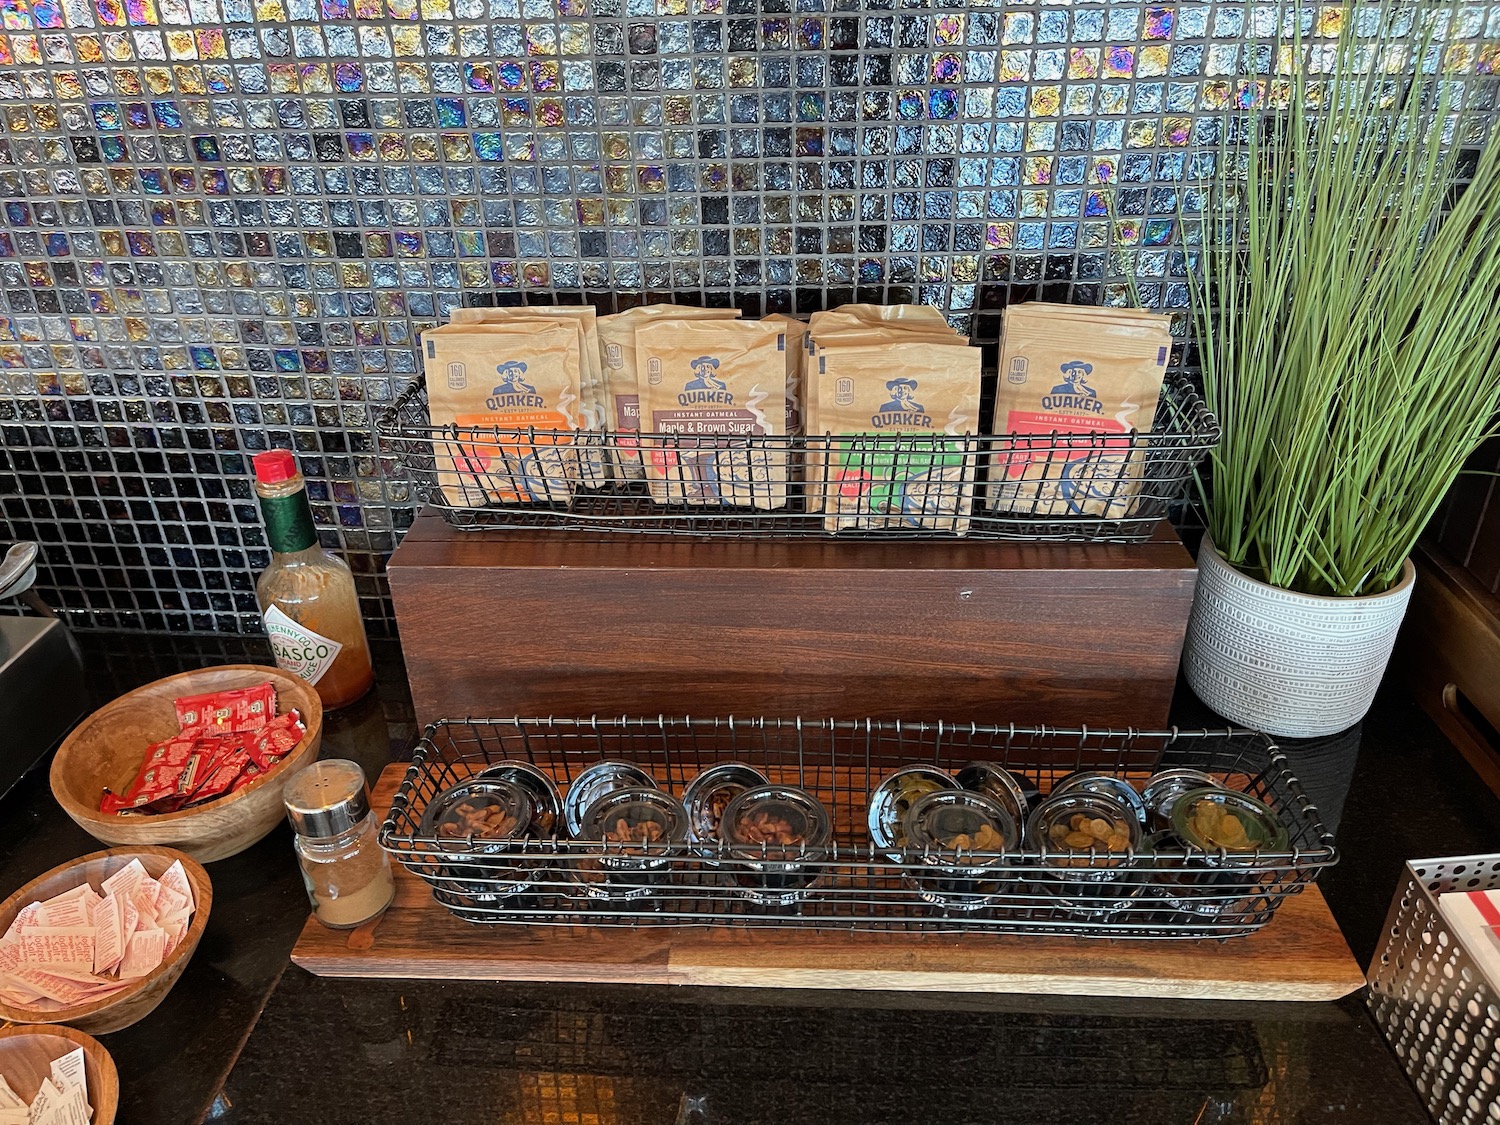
(1289,664)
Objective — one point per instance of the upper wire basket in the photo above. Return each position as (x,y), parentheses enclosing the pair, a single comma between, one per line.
(851,883)
(1058,486)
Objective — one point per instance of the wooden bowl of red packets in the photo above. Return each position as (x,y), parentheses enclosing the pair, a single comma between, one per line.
(196,761)
(98,942)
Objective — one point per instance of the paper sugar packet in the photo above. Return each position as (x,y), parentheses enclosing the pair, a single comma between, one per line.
(118,932)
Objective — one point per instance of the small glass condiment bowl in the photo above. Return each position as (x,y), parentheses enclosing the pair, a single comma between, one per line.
(893,799)
(476,823)
(593,783)
(638,830)
(1200,820)
(775,837)
(1093,879)
(1105,785)
(941,831)
(706,798)
(1236,859)
(1164,787)
(546,801)
(996,782)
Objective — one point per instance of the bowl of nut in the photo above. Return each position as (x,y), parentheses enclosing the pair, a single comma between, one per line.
(481,827)
(774,838)
(640,831)
(1087,844)
(959,837)
(706,798)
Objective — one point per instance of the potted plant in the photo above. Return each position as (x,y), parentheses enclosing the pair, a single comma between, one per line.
(1346,302)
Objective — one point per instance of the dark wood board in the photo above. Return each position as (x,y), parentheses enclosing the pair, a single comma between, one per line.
(1300,955)
(540,623)
(1448,654)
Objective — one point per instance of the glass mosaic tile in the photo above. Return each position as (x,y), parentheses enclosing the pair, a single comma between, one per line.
(223,223)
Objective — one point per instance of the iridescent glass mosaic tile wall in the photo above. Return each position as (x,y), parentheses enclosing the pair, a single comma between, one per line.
(225,221)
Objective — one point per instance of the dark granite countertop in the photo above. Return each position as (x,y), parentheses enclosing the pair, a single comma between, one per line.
(412,1052)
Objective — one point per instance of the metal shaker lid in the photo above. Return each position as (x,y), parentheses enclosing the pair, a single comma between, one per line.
(327,798)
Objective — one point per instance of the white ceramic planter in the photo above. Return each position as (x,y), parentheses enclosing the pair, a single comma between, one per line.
(1289,664)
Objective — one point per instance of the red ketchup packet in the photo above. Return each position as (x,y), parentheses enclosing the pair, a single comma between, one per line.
(275,740)
(228,738)
(223,712)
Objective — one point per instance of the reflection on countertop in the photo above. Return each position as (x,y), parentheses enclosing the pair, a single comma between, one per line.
(415,1052)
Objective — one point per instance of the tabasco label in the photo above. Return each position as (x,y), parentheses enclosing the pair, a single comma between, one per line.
(298,649)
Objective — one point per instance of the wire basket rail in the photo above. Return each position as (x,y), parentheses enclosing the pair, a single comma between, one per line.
(1057,486)
(852,884)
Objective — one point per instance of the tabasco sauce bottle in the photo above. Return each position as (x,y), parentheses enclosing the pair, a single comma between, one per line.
(307,594)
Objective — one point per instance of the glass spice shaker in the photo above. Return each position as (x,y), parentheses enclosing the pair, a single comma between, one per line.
(347,873)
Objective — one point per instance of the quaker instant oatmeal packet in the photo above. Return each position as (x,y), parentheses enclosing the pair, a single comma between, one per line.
(714,386)
(1069,379)
(621,395)
(489,386)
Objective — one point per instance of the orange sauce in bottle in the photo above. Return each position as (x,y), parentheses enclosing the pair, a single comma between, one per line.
(307,594)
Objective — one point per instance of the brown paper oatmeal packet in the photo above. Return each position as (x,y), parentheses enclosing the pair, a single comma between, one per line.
(1090,372)
(897,318)
(720,385)
(488,387)
(874,399)
(621,395)
(855,334)
(796,333)
(593,469)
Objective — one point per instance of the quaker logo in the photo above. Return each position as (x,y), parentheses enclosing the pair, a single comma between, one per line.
(513,392)
(705,388)
(903,410)
(1074,395)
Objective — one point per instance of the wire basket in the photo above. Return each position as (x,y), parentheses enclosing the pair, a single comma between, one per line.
(1081,487)
(852,883)
(1433,1004)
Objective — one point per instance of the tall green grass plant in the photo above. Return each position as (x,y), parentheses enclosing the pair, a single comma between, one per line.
(1347,304)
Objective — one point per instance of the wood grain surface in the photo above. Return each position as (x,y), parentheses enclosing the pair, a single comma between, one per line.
(534,623)
(1300,955)
(27,1054)
(107,748)
(1449,656)
(140,998)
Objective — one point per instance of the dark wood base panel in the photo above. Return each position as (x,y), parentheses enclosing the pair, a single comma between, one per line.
(501,623)
(1449,656)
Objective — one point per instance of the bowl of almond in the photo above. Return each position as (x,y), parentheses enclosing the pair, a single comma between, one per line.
(775,837)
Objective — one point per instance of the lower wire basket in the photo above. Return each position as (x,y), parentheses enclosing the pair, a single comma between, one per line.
(850,883)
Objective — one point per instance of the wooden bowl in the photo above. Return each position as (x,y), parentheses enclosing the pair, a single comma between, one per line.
(107,748)
(27,1054)
(139,998)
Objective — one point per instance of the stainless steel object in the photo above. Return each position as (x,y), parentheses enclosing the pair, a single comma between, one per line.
(42,686)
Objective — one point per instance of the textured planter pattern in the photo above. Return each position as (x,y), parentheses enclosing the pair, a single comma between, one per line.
(1289,664)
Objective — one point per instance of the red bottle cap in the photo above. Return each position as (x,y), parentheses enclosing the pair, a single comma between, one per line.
(275,466)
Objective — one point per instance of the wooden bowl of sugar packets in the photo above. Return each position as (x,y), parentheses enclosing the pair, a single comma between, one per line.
(196,761)
(44,1066)
(98,942)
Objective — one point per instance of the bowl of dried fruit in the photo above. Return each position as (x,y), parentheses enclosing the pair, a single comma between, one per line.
(959,838)
(774,837)
(1230,833)
(640,832)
